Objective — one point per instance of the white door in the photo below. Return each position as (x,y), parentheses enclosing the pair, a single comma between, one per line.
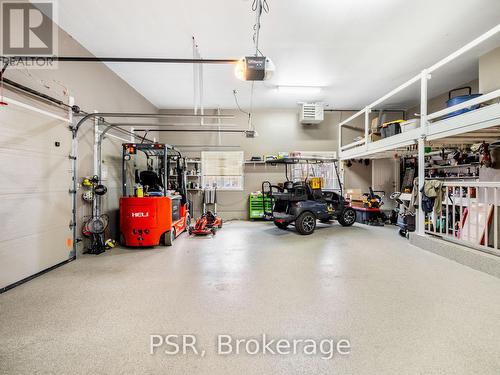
(385,174)
(35,203)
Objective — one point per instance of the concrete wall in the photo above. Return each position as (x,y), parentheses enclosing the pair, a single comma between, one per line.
(95,87)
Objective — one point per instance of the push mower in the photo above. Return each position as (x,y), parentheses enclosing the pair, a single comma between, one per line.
(304,202)
(208,222)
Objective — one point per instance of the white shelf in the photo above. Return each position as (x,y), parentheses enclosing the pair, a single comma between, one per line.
(451,166)
(479,119)
(453,178)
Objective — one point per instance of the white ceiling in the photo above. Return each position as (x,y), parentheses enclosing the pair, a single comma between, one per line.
(357,49)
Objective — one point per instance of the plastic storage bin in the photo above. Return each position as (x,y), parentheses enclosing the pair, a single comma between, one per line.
(409,125)
(391,128)
(460,99)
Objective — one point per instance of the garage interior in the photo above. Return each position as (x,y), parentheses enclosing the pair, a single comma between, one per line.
(325,174)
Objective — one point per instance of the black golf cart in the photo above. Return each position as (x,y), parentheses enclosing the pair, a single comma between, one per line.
(303,202)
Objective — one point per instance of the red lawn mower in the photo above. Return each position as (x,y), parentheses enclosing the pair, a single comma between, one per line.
(208,222)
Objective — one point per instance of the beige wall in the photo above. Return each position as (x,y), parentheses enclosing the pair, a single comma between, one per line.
(94,87)
(358,176)
(489,71)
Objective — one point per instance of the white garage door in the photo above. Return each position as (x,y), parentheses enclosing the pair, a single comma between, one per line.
(35,203)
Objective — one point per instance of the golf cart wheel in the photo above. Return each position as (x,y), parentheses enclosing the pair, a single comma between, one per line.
(347,217)
(282,225)
(305,223)
(168,237)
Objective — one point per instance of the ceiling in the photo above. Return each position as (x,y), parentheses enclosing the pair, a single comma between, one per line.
(356,50)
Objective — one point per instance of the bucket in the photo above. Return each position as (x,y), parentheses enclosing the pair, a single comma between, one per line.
(460,99)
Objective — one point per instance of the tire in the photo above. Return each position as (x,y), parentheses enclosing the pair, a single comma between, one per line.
(403,233)
(168,237)
(305,223)
(283,225)
(347,217)
(190,231)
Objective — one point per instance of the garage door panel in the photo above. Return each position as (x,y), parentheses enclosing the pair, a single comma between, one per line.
(24,215)
(31,173)
(26,130)
(35,203)
(23,257)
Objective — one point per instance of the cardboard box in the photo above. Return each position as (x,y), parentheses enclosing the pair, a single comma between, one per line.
(374,123)
(375,137)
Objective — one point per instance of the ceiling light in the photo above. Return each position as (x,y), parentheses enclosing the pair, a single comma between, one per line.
(299,89)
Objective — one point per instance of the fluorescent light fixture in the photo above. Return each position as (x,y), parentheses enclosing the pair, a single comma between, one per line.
(285,89)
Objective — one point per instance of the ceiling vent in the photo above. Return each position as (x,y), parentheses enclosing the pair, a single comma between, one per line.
(311,113)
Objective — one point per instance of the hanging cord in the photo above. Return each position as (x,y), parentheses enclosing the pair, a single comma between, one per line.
(251,107)
(258,6)
(235,94)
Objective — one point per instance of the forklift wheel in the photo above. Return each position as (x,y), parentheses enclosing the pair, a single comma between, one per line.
(168,237)
(305,223)
(347,217)
(282,225)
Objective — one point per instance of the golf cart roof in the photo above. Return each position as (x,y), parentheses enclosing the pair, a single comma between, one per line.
(301,160)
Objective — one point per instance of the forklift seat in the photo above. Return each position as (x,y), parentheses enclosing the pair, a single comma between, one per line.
(152,180)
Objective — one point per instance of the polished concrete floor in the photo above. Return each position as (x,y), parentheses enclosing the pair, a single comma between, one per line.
(404,310)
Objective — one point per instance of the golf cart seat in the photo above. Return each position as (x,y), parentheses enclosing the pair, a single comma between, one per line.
(314,194)
(288,185)
(152,180)
(331,196)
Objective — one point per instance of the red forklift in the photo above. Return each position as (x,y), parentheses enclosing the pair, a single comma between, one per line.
(153,208)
